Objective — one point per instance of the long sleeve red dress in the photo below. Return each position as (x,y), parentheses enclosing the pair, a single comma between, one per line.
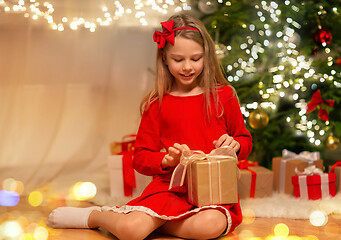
(183,120)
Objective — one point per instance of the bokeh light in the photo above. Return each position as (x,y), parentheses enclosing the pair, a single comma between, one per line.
(83,190)
(281,230)
(9,198)
(35,198)
(10,230)
(41,233)
(318,218)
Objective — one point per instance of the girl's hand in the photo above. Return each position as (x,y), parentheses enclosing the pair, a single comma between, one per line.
(226,140)
(174,154)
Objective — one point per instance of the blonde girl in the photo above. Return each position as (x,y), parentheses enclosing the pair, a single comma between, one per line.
(192,106)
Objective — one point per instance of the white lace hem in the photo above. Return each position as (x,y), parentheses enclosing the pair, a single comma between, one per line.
(127,209)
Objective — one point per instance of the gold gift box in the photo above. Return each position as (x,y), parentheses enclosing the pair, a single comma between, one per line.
(264,179)
(290,166)
(212,182)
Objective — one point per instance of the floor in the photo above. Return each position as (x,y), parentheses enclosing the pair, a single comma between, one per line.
(24,222)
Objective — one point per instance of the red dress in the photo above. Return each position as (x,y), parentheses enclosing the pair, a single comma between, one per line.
(183,120)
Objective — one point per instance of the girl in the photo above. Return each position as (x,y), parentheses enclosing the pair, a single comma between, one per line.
(192,106)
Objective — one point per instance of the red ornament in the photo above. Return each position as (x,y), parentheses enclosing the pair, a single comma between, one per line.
(338,61)
(322,36)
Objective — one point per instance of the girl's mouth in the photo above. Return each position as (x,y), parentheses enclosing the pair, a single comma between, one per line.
(187,75)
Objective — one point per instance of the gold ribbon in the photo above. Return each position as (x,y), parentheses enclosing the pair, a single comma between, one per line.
(187,157)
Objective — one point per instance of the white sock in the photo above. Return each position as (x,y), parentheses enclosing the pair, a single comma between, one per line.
(70,217)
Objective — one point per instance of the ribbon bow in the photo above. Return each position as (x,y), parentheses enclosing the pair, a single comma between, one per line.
(167,34)
(187,157)
(316,100)
(306,156)
(244,164)
(309,171)
(338,163)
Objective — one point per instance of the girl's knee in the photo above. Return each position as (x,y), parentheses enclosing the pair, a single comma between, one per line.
(211,224)
(133,229)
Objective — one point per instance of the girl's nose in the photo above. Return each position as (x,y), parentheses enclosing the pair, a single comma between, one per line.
(187,66)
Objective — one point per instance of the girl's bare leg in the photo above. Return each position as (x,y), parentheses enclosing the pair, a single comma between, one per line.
(131,226)
(207,224)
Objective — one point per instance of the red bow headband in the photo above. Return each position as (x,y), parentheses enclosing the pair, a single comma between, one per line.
(316,100)
(167,33)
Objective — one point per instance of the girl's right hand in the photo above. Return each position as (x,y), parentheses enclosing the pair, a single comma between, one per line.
(174,154)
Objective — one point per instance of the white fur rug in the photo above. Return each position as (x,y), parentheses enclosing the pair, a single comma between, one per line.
(278,205)
(285,206)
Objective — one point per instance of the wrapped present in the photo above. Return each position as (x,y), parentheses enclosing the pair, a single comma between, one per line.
(126,144)
(336,168)
(211,179)
(313,184)
(124,180)
(119,182)
(284,168)
(255,181)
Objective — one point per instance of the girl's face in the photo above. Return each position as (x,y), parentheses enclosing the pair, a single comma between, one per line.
(185,62)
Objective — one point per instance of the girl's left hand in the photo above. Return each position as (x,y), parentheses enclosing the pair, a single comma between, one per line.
(226,140)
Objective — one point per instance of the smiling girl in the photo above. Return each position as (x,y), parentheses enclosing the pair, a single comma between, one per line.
(192,106)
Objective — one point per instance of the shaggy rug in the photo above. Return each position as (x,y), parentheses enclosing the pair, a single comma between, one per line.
(278,205)
(285,206)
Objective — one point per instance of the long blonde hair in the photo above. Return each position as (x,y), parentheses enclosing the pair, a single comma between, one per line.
(211,76)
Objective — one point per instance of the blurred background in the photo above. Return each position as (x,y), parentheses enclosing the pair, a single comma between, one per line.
(73,73)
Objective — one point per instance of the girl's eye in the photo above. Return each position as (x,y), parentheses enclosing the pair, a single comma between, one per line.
(177,60)
(196,59)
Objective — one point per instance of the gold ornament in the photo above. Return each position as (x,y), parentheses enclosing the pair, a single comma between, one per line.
(332,142)
(258,119)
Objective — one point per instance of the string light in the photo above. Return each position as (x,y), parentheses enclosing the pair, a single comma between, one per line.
(44,10)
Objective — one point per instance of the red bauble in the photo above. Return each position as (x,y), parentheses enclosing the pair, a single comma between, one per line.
(338,61)
(322,36)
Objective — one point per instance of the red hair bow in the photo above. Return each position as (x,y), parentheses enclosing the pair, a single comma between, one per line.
(167,34)
(316,100)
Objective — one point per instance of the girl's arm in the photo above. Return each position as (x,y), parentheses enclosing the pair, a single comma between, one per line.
(147,156)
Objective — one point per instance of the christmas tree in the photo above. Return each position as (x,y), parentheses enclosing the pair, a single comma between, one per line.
(284,59)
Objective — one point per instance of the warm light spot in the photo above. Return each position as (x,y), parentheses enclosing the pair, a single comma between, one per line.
(41,233)
(281,230)
(35,198)
(311,237)
(245,234)
(248,216)
(83,190)
(11,230)
(27,236)
(318,218)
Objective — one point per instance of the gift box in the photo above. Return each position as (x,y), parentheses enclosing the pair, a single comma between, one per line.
(117,181)
(211,179)
(284,168)
(315,186)
(255,182)
(126,144)
(336,168)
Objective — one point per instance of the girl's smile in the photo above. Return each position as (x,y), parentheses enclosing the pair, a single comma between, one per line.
(185,62)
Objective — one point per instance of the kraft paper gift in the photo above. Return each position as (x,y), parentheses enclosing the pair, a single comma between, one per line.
(262,185)
(211,179)
(284,168)
(336,168)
